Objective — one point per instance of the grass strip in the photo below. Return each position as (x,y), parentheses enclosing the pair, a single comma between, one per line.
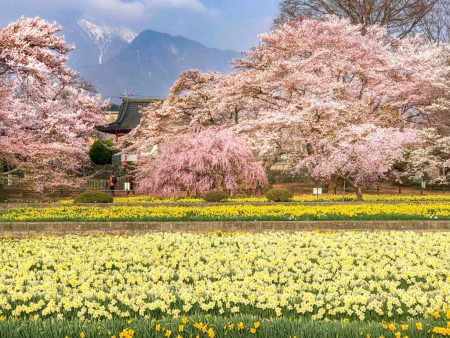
(216,326)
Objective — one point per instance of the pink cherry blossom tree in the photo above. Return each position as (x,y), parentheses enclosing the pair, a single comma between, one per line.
(46,115)
(190,101)
(362,155)
(430,157)
(318,81)
(198,161)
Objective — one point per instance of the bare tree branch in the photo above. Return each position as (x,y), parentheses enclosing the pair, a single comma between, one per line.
(400,17)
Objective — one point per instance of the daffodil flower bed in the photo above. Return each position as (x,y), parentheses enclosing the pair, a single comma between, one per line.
(224,212)
(383,276)
(297,198)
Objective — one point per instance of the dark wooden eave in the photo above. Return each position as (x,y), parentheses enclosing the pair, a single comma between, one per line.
(128,118)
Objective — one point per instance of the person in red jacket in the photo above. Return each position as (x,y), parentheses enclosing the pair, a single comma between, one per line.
(112,181)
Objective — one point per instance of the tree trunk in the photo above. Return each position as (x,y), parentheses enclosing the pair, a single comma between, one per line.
(332,185)
(399,189)
(2,193)
(359,196)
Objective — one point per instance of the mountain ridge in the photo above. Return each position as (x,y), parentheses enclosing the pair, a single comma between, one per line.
(115,59)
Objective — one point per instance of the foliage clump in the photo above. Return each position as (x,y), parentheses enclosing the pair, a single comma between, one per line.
(279,195)
(93,197)
(215,196)
(100,152)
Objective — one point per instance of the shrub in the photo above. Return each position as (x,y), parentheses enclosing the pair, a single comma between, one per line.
(279,195)
(93,197)
(215,196)
(100,152)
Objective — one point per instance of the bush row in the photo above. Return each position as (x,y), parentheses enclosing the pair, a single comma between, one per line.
(273,195)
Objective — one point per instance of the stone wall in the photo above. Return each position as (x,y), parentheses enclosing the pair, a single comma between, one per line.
(63,228)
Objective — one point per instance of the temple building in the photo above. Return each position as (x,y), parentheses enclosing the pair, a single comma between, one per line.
(128,118)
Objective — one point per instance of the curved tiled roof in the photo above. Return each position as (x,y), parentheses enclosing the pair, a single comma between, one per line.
(128,118)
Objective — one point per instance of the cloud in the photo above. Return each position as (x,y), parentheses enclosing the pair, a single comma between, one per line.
(139,9)
(115,11)
(192,4)
(223,24)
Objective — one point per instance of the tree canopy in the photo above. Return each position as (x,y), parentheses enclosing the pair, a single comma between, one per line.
(46,116)
(201,160)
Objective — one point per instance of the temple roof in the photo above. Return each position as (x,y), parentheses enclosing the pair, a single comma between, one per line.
(128,118)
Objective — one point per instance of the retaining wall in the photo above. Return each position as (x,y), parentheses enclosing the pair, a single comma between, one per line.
(63,228)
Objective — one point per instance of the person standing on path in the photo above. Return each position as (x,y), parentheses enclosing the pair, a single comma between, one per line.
(112,181)
(129,185)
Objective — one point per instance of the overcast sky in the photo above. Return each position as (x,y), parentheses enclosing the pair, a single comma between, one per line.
(225,24)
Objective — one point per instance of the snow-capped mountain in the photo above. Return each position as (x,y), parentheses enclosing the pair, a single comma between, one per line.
(115,58)
(94,44)
(150,64)
(103,32)
(103,35)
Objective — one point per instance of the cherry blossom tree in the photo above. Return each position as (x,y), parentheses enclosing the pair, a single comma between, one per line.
(315,79)
(201,160)
(430,157)
(191,100)
(46,115)
(362,155)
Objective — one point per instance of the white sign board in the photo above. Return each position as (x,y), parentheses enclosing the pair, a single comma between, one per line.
(317,191)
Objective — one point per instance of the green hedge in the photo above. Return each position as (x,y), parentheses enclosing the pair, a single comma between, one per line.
(215,196)
(279,195)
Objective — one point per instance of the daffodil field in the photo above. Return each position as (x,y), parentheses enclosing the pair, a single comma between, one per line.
(308,284)
(296,198)
(219,284)
(240,212)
